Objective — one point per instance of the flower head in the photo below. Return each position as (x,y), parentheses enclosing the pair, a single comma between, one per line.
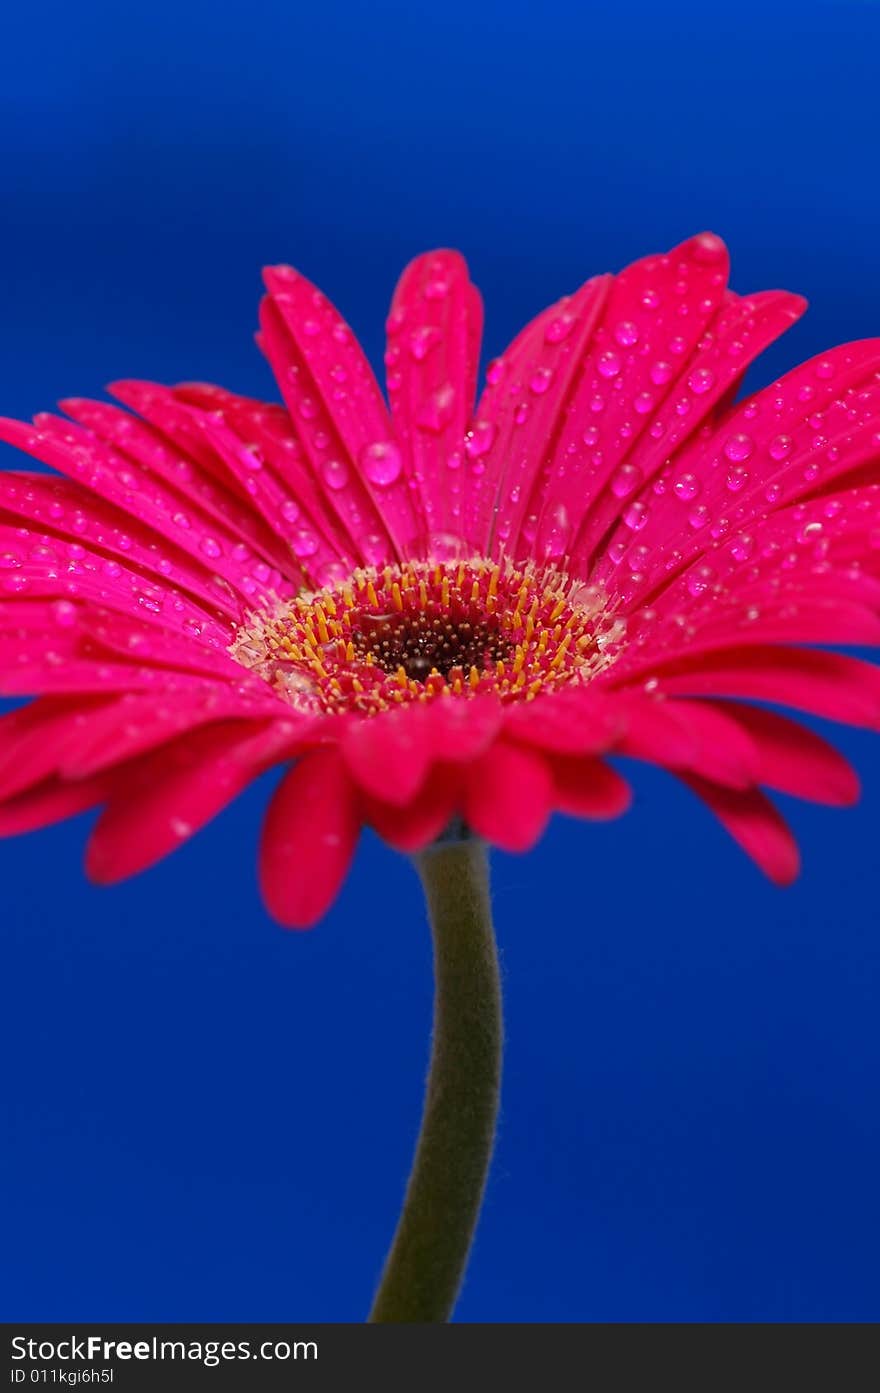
(437,610)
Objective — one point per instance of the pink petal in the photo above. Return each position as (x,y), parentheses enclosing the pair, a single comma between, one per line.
(417,824)
(268,430)
(54,507)
(721,751)
(49,802)
(166,446)
(795,760)
(753,822)
(809,428)
(657,312)
(825,684)
(655,732)
(389,755)
(317,558)
(34,739)
(508,796)
(589,788)
(740,331)
(134,724)
(159,802)
(309,839)
(434,333)
(570,721)
(85,458)
(326,381)
(519,413)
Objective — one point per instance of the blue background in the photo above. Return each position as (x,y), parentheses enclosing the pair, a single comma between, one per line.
(211,1119)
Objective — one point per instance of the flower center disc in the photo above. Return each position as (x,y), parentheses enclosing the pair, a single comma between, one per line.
(423,630)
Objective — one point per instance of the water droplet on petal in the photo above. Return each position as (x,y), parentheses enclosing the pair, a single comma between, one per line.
(780,446)
(609,365)
(698,581)
(559,328)
(736,478)
(479,438)
(686,487)
(335,474)
(554,532)
(660,372)
(626,480)
(738,447)
(540,380)
(436,413)
(382,463)
(422,340)
(304,543)
(636,516)
(701,380)
(626,333)
(741,547)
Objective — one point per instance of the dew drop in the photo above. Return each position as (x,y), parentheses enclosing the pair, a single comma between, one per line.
(701,380)
(780,446)
(625,480)
(742,546)
(559,328)
(686,487)
(478,441)
(736,478)
(436,413)
(698,581)
(635,516)
(372,548)
(626,333)
(738,447)
(304,543)
(540,380)
(64,614)
(422,340)
(554,532)
(335,474)
(382,463)
(609,365)
(660,372)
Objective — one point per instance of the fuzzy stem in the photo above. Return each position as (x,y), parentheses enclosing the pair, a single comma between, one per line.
(427,1259)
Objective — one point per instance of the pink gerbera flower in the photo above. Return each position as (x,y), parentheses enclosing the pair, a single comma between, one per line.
(442,611)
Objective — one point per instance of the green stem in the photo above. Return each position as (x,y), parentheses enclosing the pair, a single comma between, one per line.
(426,1263)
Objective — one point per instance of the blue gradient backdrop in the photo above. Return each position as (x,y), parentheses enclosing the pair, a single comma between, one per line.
(206,1118)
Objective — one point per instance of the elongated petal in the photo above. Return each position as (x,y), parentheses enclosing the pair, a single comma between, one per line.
(422,821)
(49,802)
(434,331)
(795,760)
(509,796)
(163,800)
(755,824)
(309,839)
(326,381)
(588,788)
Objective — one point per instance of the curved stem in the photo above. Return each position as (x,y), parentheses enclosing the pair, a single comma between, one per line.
(426,1263)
